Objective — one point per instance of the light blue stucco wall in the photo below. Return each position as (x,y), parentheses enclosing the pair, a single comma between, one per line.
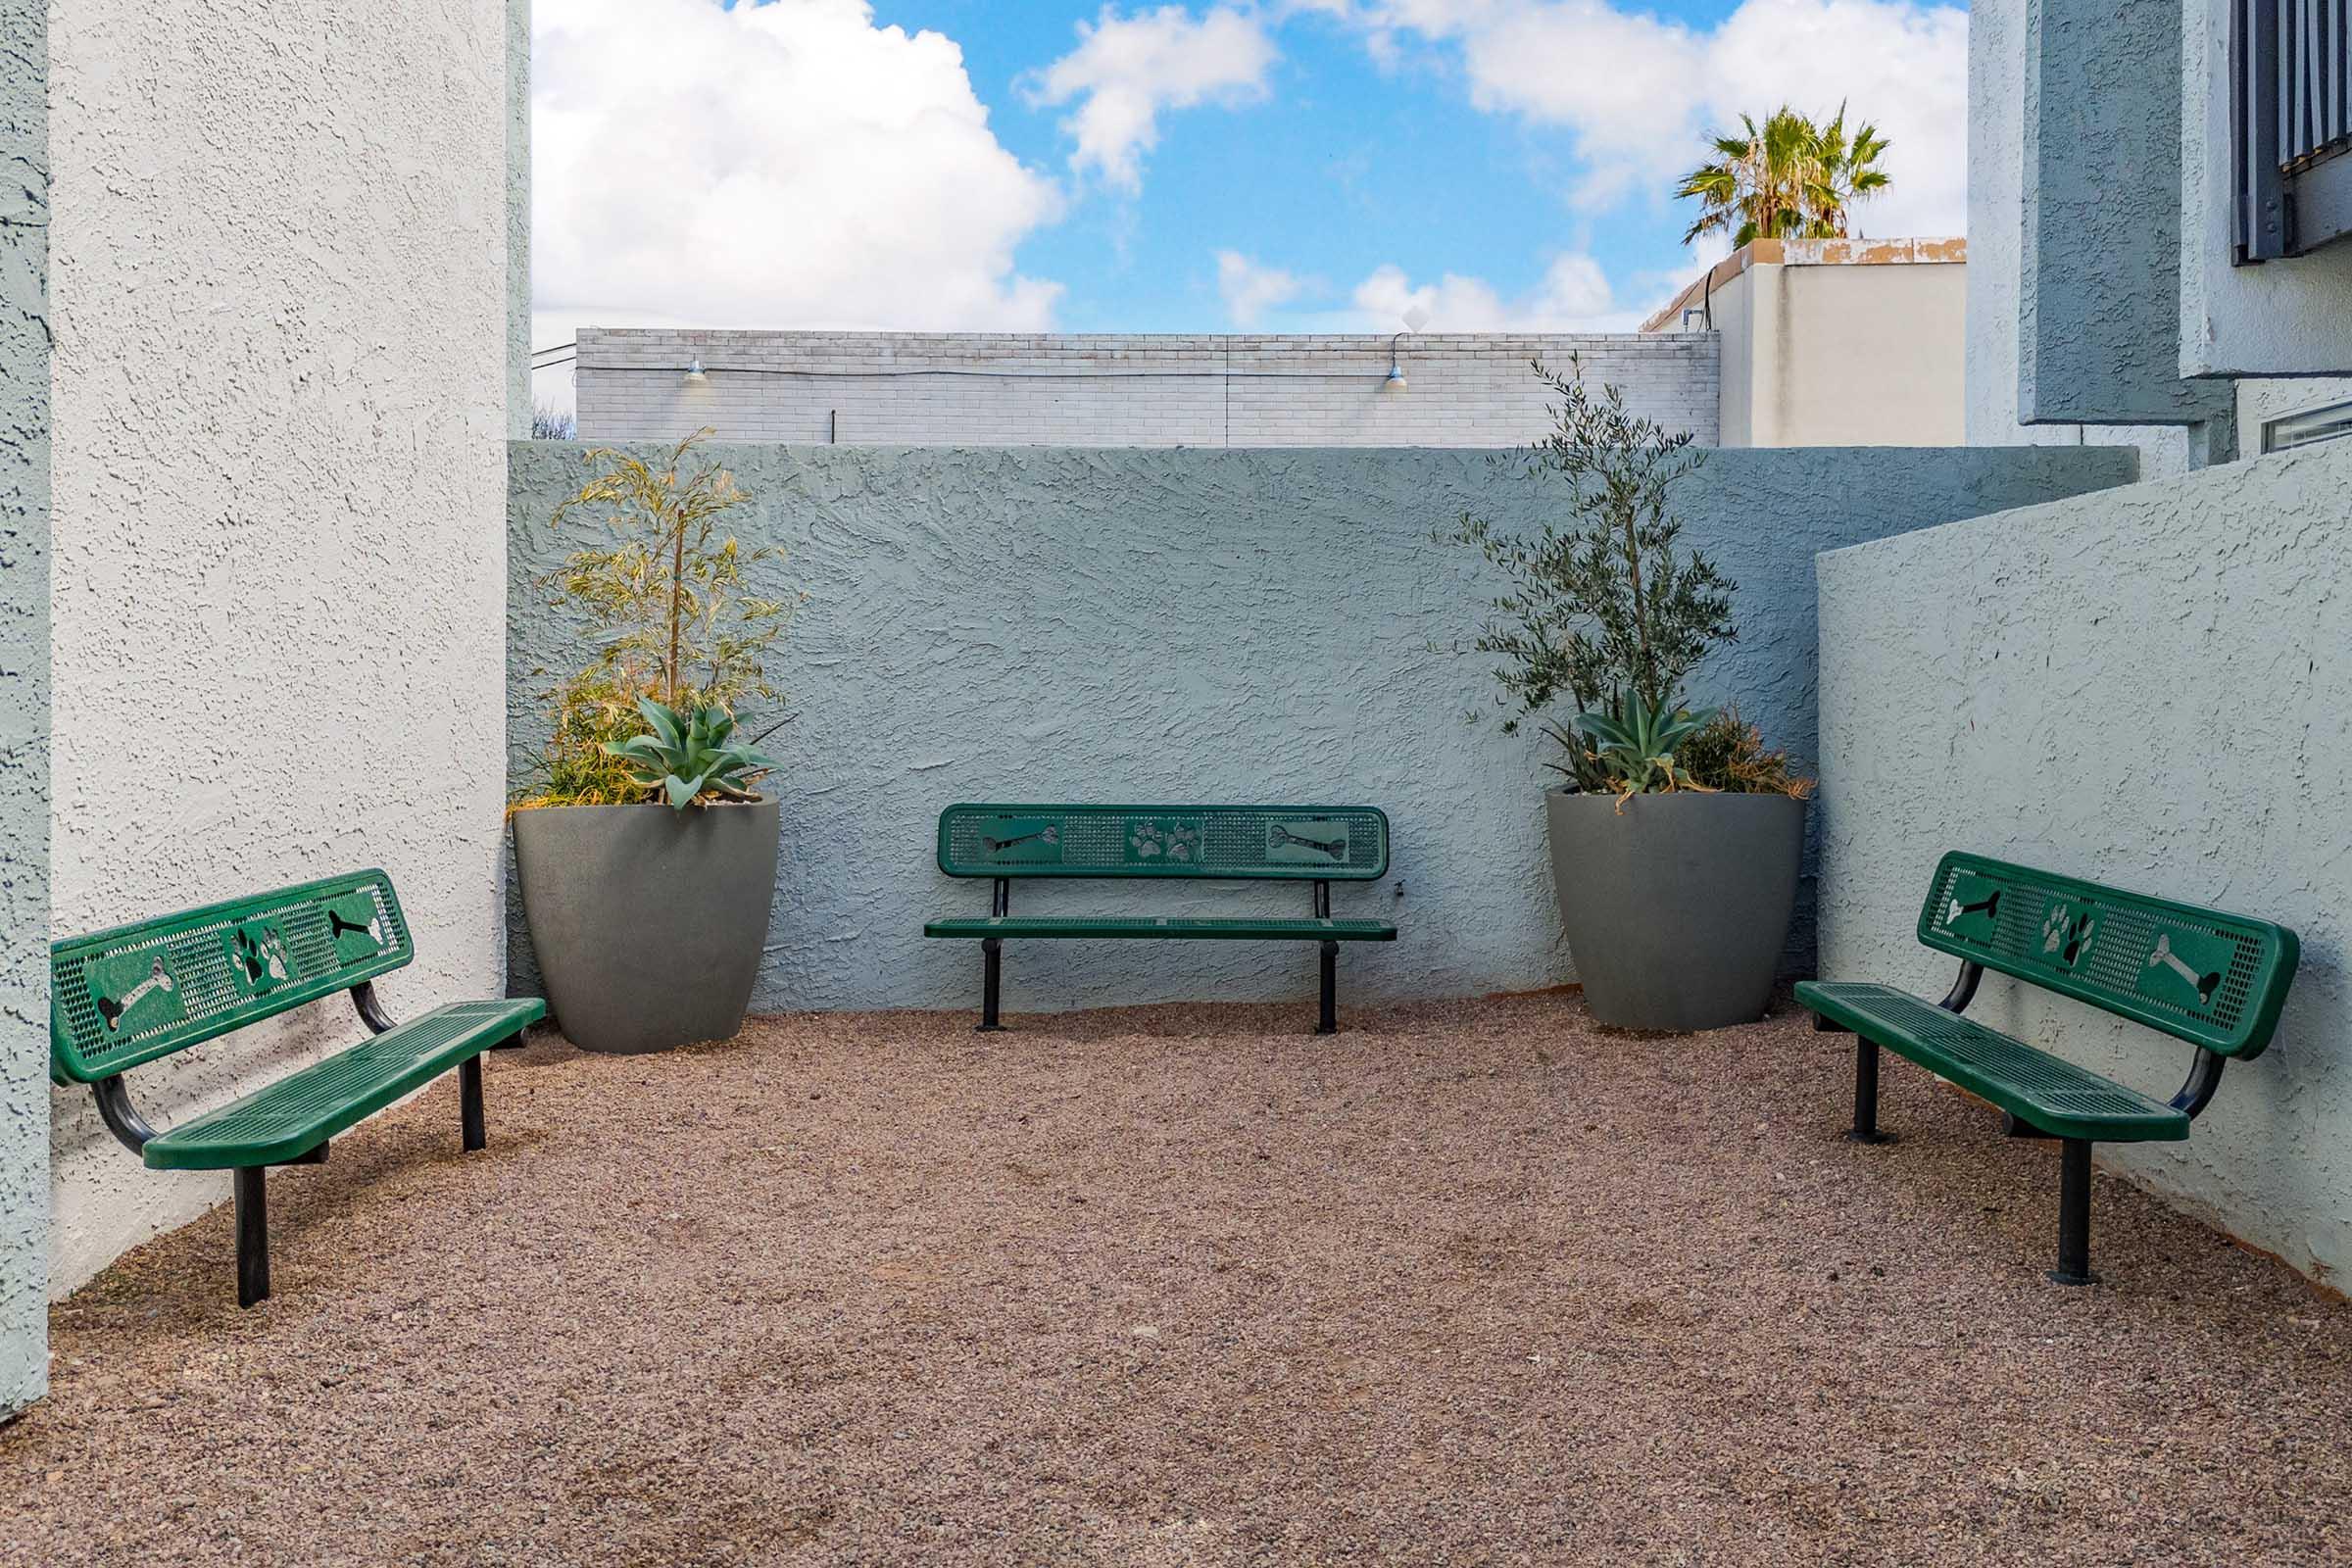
(2098,329)
(2145,687)
(23,703)
(1118,625)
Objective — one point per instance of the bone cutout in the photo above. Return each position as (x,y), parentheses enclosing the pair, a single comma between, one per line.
(2205,984)
(336,925)
(1333,848)
(112,1011)
(1990,905)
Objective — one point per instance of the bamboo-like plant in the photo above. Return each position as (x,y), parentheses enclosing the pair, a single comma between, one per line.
(669,592)
(671,611)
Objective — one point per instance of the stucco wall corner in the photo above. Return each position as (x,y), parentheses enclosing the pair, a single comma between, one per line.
(2141,687)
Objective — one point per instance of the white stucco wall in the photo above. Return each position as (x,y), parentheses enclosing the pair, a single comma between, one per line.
(2261,400)
(2145,687)
(1996,198)
(280,310)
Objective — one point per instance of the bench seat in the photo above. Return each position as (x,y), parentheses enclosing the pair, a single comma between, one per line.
(2036,1088)
(277,1125)
(1218,928)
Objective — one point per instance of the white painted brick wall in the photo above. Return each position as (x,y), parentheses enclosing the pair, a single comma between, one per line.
(1158,391)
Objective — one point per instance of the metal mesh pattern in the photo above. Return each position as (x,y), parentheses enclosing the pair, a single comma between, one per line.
(2201,975)
(1226,927)
(298,1112)
(2049,1092)
(138,991)
(1307,842)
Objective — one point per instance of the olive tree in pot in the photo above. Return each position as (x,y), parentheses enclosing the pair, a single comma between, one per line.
(1675,836)
(648,862)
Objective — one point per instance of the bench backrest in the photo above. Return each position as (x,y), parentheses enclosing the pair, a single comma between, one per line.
(1276,843)
(2213,979)
(143,991)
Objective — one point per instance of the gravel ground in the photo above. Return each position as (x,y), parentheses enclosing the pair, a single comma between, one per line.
(1470,1282)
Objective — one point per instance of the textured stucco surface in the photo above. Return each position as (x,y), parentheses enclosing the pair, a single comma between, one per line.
(1108,625)
(2291,316)
(23,700)
(2101,243)
(1996,197)
(279,292)
(2261,401)
(2143,687)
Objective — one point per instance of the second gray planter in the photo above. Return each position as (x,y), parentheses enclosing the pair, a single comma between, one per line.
(648,922)
(1677,908)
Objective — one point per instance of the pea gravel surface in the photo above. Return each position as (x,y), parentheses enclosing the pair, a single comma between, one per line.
(1469,1283)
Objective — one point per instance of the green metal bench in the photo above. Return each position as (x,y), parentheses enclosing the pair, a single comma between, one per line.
(1314,844)
(143,991)
(2213,980)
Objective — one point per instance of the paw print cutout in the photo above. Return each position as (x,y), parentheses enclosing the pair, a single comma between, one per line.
(2066,932)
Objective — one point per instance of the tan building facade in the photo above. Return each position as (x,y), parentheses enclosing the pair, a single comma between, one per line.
(1834,342)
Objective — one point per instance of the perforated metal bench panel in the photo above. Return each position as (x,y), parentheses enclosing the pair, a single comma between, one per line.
(2046,1091)
(2206,976)
(1218,929)
(299,1113)
(1280,842)
(137,992)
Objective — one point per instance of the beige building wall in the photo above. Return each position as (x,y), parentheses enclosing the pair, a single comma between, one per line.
(278,290)
(1835,342)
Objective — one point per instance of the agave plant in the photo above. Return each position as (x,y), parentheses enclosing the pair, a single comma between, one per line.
(686,760)
(1633,745)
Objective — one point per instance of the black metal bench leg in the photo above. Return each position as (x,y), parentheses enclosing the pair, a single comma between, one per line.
(1327,1021)
(253,1235)
(992,960)
(1866,1095)
(2073,1215)
(469,1103)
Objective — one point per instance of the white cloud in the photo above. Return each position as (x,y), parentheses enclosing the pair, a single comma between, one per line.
(1126,69)
(1637,92)
(773,166)
(1250,289)
(1573,296)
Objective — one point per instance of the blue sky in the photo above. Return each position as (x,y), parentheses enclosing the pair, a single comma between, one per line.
(1341,166)
(1271,165)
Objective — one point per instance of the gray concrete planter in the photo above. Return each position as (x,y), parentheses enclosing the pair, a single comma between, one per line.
(1677,908)
(648,922)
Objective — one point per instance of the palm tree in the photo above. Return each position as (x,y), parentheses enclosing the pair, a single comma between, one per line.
(1788,179)
(1844,173)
